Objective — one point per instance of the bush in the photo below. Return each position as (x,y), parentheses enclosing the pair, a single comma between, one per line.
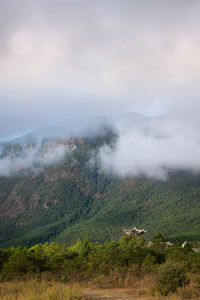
(149,262)
(170,276)
(18,263)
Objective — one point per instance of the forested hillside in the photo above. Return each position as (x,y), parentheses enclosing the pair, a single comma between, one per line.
(67,199)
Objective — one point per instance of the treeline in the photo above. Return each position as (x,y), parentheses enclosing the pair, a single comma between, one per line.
(113,259)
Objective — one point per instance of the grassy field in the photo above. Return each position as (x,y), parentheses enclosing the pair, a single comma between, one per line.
(34,289)
(44,289)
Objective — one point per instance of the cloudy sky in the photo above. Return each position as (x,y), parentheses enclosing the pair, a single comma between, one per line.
(66,60)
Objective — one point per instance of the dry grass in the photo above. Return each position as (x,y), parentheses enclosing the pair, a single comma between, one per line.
(33,289)
(117,285)
(135,287)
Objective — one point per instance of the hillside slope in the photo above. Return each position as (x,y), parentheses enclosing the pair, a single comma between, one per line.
(67,199)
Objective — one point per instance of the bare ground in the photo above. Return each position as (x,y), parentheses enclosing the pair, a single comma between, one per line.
(117,294)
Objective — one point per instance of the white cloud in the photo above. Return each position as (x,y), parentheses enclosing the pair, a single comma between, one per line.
(30,158)
(153,147)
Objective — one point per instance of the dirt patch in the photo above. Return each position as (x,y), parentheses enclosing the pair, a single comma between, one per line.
(117,294)
(120,294)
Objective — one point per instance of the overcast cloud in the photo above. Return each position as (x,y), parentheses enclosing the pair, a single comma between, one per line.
(64,60)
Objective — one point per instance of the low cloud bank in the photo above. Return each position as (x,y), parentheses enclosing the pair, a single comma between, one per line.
(33,158)
(152,147)
(147,146)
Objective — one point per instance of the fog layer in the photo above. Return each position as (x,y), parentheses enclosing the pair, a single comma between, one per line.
(152,147)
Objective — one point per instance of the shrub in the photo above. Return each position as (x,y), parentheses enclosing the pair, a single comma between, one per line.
(170,276)
(18,263)
(149,262)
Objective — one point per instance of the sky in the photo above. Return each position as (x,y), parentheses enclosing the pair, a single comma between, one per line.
(72,59)
(62,59)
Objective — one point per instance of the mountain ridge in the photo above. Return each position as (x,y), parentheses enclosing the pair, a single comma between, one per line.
(65,200)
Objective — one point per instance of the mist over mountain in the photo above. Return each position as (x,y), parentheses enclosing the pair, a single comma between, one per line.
(150,146)
(59,187)
(47,146)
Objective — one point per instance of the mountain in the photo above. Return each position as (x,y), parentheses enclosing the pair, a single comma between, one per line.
(54,189)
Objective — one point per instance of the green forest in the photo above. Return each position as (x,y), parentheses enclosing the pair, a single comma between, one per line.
(74,197)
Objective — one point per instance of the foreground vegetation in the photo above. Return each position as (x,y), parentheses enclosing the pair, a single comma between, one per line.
(34,289)
(145,268)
